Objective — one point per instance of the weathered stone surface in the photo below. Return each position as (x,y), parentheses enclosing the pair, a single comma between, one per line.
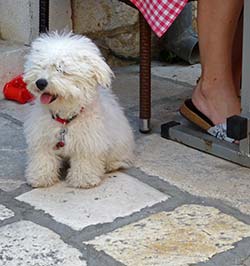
(25,27)
(60,15)
(7,184)
(194,14)
(15,110)
(78,208)
(121,45)
(113,26)
(12,165)
(102,16)
(11,136)
(12,154)
(126,87)
(19,20)
(25,243)
(196,172)
(246,262)
(189,234)
(188,74)
(5,213)
(12,60)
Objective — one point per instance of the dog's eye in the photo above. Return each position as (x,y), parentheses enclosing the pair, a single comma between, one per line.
(59,69)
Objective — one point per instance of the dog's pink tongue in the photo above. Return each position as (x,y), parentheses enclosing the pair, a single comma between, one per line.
(46,98)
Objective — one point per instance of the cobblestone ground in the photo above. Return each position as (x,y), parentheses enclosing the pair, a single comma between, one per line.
(175,207)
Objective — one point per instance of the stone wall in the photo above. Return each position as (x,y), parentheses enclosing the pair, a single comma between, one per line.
(194,10)
(19,19)
(112,24)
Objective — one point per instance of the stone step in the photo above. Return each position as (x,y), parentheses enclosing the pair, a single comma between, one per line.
(12,60)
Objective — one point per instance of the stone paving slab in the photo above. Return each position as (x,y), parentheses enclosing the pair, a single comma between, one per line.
(118,196)
(12,145)
(11,136)
(128,88)
(195,172)
(12,164)
(12,151)
(246,262)
(5,213)
(25,243)
(7,184)
(189,234)
(14,109)
(181,73)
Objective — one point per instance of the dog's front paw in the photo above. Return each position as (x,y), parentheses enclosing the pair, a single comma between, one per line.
(42,170)
(40,177)
(116,165)
(41,181)
(83,181)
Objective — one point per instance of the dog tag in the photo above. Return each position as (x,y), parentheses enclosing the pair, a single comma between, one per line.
(63,131)
(61,143)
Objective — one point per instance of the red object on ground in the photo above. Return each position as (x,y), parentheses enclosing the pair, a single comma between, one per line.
(160,14)
(16,90)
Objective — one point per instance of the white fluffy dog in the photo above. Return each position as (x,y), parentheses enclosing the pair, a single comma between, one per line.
(76,116)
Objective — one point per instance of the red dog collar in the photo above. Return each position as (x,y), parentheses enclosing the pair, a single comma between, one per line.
(65,121)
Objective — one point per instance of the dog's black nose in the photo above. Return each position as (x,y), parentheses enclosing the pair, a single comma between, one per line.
(41,84)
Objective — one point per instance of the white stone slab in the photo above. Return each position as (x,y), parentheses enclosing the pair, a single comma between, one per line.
(187,235)
(196,172)
(183,73)
(78,208)
(25,243)
(5,213)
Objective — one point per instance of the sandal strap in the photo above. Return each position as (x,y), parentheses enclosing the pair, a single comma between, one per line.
(220,132)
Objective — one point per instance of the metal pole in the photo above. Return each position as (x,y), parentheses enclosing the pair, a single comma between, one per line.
(145,75)
(44,16)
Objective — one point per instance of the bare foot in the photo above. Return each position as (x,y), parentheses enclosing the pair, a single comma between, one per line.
(216,100)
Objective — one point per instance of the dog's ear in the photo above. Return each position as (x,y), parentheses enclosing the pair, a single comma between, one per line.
(102,72)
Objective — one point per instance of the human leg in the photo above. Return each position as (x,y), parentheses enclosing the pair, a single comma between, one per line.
(215,95)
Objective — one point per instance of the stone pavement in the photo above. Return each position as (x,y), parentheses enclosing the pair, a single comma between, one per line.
(175,207)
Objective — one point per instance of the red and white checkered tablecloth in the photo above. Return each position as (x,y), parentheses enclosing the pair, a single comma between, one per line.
(160,14)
